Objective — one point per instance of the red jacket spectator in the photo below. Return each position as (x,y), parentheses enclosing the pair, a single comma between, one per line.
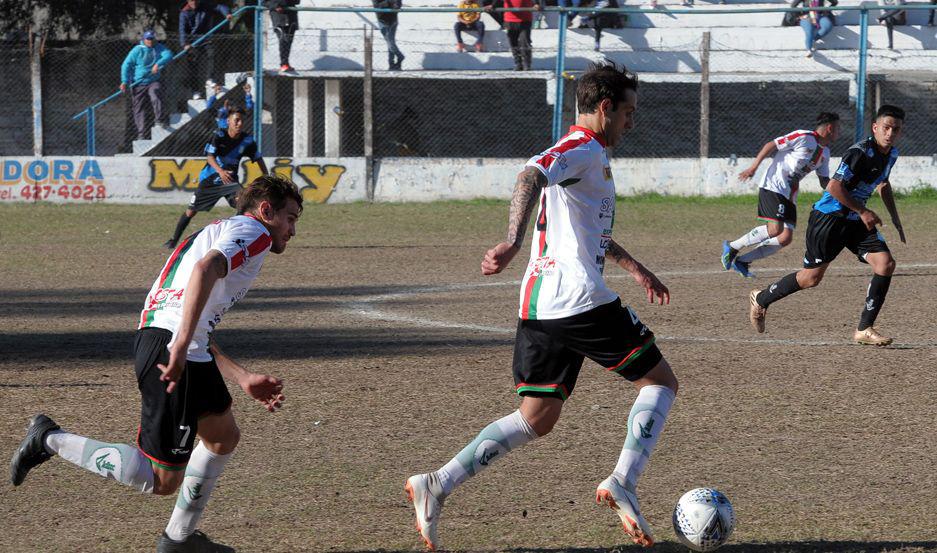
(519,17)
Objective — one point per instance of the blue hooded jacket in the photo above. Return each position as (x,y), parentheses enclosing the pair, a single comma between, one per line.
(139,63)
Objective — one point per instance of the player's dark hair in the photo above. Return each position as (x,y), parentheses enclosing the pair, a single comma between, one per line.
(273,188)
(236,109)
(889,111)
(604,80)
(827,117)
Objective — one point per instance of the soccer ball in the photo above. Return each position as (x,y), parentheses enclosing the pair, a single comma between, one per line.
(703,519)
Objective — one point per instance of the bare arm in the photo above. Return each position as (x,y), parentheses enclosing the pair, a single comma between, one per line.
(226,176)
(644,277)
(836,189)
(888,198)
(207,272)
(769,149)
(265,389)
(530,182)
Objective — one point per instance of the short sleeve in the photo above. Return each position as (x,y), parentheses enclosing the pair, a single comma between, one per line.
(238,243)
(563,166)
(823,169)
(849,166)
(787,142)
(212,147)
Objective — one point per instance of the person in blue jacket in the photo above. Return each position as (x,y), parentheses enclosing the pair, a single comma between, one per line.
(140,73)
(195,19)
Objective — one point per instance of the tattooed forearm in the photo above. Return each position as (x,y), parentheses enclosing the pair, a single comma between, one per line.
(618,254)
(526,192)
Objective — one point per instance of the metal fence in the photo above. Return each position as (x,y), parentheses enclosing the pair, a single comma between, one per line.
(702,110)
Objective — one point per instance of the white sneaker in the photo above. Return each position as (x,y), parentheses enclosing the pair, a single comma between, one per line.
(625,504)
(425,492)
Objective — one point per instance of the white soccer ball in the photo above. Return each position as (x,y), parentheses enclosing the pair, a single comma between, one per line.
(703,519)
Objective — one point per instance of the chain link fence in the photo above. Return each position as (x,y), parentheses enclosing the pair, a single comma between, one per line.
(701,94)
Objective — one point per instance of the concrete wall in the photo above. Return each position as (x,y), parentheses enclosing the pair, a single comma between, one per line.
(172,180)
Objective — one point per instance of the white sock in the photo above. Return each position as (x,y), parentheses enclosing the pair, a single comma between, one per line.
(202,472)
(122,462)
(768,247)
(492,442)
(755,236)
(644,427)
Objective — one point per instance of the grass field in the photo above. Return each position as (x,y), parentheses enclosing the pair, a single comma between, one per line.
(396,351)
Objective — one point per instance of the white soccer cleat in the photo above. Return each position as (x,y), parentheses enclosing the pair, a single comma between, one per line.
(425,493)
(625,504)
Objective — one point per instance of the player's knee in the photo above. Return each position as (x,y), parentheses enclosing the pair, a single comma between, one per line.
(888,267)
(166,484)
(543,425)
(785,238)
(225,443)
(810,280)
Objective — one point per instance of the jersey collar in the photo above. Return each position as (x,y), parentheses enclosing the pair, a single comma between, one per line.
(588,132)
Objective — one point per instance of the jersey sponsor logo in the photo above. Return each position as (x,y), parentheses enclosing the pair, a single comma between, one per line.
(165,297)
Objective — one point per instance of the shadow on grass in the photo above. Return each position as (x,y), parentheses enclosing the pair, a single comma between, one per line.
(771,547)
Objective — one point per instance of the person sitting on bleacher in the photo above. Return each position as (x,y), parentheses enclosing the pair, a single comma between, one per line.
(893,17)
(469,21)
(816,24)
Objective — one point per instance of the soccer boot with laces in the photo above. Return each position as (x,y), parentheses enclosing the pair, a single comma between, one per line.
(197,542)
(742,268)
(32,450)
(871,337)
(624,502)
(424,491)
(728,255)
(756,313)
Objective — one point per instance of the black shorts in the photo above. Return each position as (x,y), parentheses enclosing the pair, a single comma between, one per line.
(828,234)
(211,190)
(776,208)
(169,422)
(549,353)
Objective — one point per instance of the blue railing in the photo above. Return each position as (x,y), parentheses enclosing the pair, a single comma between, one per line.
(258,9)
(89,112)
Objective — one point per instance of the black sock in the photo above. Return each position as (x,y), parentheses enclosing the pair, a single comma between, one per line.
(780,289)
(180,227)
(878,288)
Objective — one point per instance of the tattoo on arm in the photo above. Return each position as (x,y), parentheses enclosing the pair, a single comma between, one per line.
(219,264)
(526,192)
(621,257)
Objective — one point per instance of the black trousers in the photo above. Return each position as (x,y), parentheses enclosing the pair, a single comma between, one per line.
(519,38)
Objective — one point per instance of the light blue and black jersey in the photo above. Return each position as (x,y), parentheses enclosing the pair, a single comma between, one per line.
(861,171)
(228,152)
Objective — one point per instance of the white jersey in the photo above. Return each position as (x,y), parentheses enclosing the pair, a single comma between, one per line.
(799,153)
(575,216)
(244,241)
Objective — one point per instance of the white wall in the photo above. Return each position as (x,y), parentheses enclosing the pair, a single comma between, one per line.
(132,180)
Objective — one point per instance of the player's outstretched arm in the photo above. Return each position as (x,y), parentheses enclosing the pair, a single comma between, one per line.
(264,388)
(652,285)
(888,198)
(530,182)
(206,273)
(769,149)
(836,189)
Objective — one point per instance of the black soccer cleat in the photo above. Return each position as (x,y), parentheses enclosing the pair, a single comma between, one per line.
(32,450)
(196,543)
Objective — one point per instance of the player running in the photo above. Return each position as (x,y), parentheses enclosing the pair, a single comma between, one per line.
(794,156)
(567,312)
(179,369)
(841,220)
(219,179)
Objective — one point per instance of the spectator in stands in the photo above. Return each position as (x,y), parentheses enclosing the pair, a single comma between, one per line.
(567,4)
(600,21)
(195,20)
(518,26)
(388,24)
(469,21)
(285,22)
(816,24)
(140,72)
(492,5)
(893,17)
(930,18)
